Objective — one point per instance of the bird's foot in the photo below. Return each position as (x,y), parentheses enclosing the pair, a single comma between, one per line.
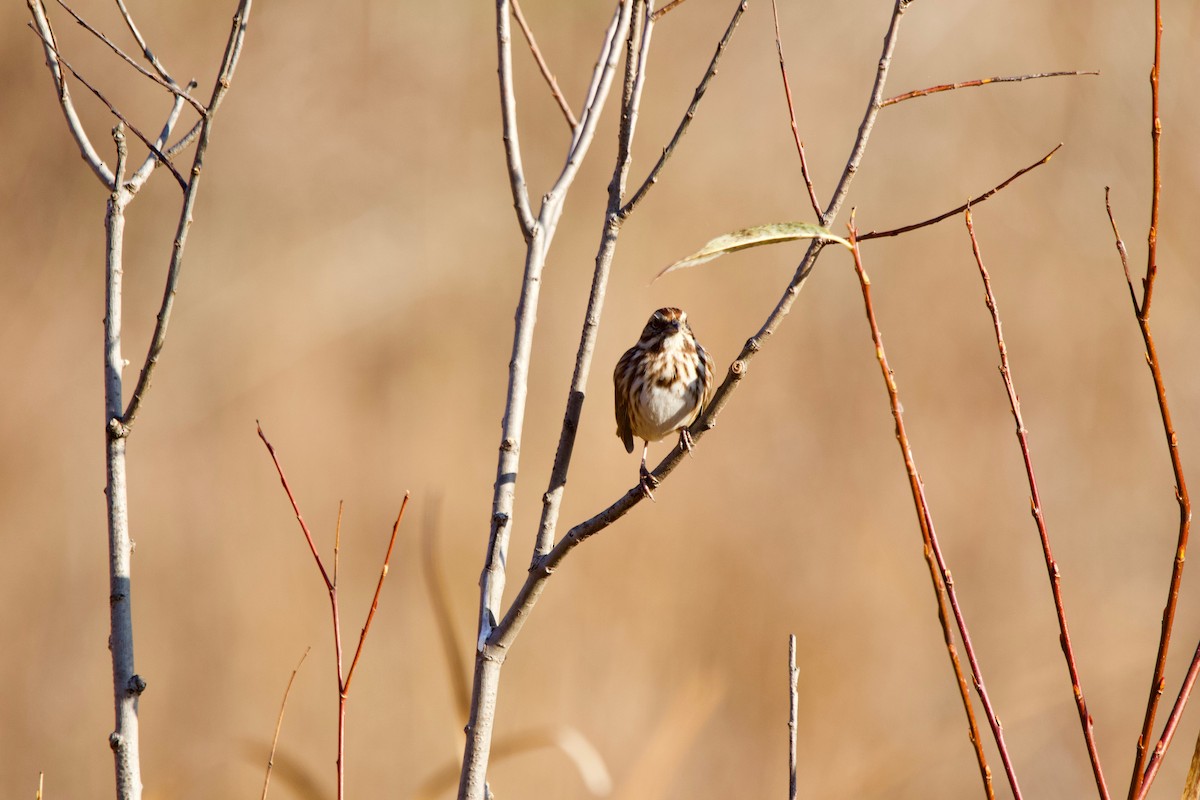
(686,442)
(647,482)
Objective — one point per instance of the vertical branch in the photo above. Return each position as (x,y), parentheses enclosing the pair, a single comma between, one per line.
(635,73)
(793,714)
(538,235)
(1014,404)
(1156,171)
(233,50)
(787,90)
(508,109)
(937,564)
(127,685)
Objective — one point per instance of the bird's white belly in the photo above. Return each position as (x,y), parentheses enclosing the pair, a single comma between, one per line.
(665,410)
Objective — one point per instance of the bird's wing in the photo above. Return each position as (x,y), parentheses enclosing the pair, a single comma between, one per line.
(621,403)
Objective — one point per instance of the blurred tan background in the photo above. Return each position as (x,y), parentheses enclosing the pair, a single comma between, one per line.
(350,282)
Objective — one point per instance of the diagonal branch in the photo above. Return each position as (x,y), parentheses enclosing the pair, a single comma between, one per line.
(508,110)
(937,562)
(362,637)
(137,35)
(974,201)
(1169,729)
(1014,404)
(153,148)
(543,66)
(949,87)
(170,86)
(74,125)
(688,115)
(787,90)
(233,50)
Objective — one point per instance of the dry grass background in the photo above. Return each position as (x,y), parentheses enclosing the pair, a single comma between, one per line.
(351,280)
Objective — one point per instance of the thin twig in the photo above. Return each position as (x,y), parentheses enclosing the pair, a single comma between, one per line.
(137,35)
(100,95)
(793,714)
(279,723)
(184,141)
(113,109)
(337,542)
(170,86)
(329,584)
(508,109)
(233,50)
(974,201)
(636,58)
(787,90)
(668,8)
(74,125)
(688,115)
(925,518)
(1156,165)
(1173,443)
(362,637)
(949,87)
(1014,404)
(139,178)
(1164,741)
(543,66)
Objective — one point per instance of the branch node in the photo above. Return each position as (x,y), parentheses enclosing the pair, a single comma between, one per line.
(136,685)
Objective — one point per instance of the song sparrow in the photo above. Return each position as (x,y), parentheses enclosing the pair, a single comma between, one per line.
(662,385)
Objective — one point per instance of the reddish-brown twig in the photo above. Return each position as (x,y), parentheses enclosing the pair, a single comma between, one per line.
(543,66)
(1014,404)
(669,7)
(787,89)
(1156,165)
(331,588)
(943,581)
(279,724)
(1169,730)
(1181,497)
(974,201)
(949,87)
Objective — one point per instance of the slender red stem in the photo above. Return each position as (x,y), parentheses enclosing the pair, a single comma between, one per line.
(1014,404)
(1172,723)
(925,520)
(787,89)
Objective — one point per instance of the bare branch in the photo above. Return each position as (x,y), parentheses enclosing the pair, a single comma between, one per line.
(1164,741)
(233,50)
(937,563)
(74,125)
(137,35)
(974,201)
(688,115)
(543,66)
(279,723)
(140,177)
(793,714)
(949,87)
(170,86)
(787,90)
(362,637)
(508,109)
(635,74)
(1014,404)
(133,128)
(312,547)
(668,8)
